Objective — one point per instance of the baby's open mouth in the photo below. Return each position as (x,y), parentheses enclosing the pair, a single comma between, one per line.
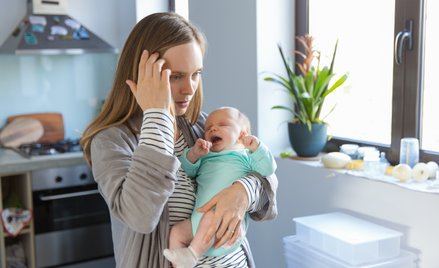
(215,139)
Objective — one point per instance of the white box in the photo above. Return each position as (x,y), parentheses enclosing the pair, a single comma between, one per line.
(300,255)
(348,238)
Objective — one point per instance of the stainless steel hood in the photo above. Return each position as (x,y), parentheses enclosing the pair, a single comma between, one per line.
(48,30)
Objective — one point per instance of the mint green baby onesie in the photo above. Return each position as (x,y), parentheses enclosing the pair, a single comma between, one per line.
(216,171)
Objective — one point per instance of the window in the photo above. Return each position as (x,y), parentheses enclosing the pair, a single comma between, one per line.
(430,107)
(382,100)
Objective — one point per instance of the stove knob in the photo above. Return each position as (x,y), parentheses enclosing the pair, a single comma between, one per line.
(58,179)
(83,176)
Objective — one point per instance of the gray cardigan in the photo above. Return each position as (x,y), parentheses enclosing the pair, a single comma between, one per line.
(136,182)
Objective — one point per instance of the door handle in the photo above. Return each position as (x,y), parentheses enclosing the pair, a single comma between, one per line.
(68,195)
(403,40)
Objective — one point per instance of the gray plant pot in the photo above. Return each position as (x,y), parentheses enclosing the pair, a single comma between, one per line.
(307,143)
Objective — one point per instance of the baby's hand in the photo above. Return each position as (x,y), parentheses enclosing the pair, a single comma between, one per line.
(251,142)
(200,148)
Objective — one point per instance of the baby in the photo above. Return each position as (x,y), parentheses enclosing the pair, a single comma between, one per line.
(227,153)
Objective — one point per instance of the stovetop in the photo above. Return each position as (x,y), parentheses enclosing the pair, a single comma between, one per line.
(60,147)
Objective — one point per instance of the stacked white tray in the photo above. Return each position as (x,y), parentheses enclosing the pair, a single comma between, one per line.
(340,240)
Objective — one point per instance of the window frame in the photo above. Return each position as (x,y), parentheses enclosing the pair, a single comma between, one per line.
(407,81)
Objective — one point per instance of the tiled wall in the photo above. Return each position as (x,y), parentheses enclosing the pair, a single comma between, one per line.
(72,85)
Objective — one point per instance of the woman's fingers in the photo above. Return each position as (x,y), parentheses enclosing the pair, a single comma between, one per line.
(150,65)
(133,86)
(215,221)
(208,206)
(235,235)
(228,231)
(165,74)
(157,69)
(165,79)
(230,235)
(230,207)
(152,88)
(142,64)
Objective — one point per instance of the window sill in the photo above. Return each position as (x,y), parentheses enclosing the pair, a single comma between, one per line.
(428,186)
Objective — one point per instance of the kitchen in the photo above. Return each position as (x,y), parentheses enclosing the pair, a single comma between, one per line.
(70,225)
(76,85)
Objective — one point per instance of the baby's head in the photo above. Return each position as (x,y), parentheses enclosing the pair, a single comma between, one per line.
(225,127)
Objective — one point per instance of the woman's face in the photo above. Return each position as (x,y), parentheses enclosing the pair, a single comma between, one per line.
(185,62)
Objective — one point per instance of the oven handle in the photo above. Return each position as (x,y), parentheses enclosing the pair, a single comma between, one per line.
(69,195)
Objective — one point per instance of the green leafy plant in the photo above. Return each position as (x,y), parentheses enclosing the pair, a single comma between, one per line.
(311,86)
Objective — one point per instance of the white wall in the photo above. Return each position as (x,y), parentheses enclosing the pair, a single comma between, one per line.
(103,17)
(229,75)
(11,13)
(242,47)
(245,32)
(145,7)
(274,26)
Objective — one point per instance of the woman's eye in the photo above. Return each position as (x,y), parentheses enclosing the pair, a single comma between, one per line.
(175,77)
(196,74)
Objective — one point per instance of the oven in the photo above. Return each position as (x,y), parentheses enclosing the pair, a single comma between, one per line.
(71,219)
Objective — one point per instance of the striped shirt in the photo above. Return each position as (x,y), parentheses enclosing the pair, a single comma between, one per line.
(157,132)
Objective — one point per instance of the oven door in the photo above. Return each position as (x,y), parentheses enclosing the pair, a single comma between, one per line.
(72,224)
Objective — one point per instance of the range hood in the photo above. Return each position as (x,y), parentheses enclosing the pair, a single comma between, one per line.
(48,30)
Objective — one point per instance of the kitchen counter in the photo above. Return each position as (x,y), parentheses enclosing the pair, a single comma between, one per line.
(13,163)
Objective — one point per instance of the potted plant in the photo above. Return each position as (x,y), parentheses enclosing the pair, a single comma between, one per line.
(308,90)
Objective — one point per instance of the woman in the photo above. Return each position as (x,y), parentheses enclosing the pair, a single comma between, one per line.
(134,142)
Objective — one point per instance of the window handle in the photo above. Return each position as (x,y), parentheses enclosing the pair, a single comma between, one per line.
(403,38)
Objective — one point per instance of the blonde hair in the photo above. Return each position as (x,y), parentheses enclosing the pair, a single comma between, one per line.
(157,32)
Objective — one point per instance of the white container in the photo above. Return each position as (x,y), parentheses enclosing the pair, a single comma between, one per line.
(299,255)
(347,238)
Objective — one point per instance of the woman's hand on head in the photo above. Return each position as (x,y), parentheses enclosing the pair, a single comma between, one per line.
(153,89)
(230,206)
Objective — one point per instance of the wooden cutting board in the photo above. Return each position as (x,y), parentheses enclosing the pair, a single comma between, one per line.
(21,131)
(53,124)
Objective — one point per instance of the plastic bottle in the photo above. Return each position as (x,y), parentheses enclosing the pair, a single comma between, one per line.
(371,163)
(384,163)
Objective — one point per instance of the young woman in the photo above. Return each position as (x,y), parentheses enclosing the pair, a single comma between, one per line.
(151,115)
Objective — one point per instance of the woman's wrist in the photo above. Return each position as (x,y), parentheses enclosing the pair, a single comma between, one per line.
(159,110)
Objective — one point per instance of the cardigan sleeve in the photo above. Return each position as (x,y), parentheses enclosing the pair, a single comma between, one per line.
(135,180)
(262,195)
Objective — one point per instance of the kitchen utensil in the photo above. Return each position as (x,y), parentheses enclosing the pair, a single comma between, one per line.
(21,131)
(53,124)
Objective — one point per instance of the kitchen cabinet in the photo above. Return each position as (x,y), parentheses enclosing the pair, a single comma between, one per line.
(71,222)
(19,184)
(15,176)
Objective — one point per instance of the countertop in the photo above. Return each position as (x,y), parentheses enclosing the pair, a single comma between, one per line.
(12,163)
